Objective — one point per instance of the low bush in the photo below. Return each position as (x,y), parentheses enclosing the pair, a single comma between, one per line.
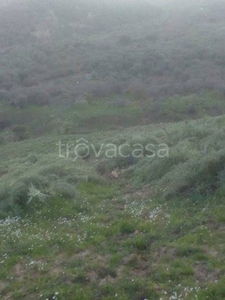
(20,132)
(5,122)
(199,175)
(63,189)
(149,170)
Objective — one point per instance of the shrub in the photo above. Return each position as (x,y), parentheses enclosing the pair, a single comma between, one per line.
(4,201)
(199,175)
(58,170)
(36,96)
(4,122)
(4,96)
(143,242)
(32,158)
(104,166)
(19,101)
(14,199)
(19,198)
(97,89)
(148,170)
(138,90)
(63,189)
(127,227)
(20,132)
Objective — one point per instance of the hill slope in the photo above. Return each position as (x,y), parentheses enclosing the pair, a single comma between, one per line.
(112,150)
(101,228)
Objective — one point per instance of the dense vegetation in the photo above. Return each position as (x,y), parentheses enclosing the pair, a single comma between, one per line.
(76,51)
(92,227)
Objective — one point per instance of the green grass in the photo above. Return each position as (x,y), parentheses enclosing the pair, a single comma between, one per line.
(99,115)
(98,236)
(100,228)
(95,248)
(198,105)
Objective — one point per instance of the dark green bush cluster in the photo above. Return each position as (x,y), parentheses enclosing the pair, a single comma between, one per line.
(151,170)
(20,132)
(14,197)
(199,175)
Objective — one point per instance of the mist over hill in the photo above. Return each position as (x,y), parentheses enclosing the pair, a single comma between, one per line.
(124,46)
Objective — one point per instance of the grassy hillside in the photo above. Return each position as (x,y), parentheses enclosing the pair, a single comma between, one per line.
(102,229)
(112,150)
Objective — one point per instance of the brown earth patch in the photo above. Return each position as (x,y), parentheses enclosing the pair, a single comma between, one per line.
(19,270)
(163,252)
(203,274)
(3,285)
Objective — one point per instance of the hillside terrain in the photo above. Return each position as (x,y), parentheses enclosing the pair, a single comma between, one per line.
(112,150)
